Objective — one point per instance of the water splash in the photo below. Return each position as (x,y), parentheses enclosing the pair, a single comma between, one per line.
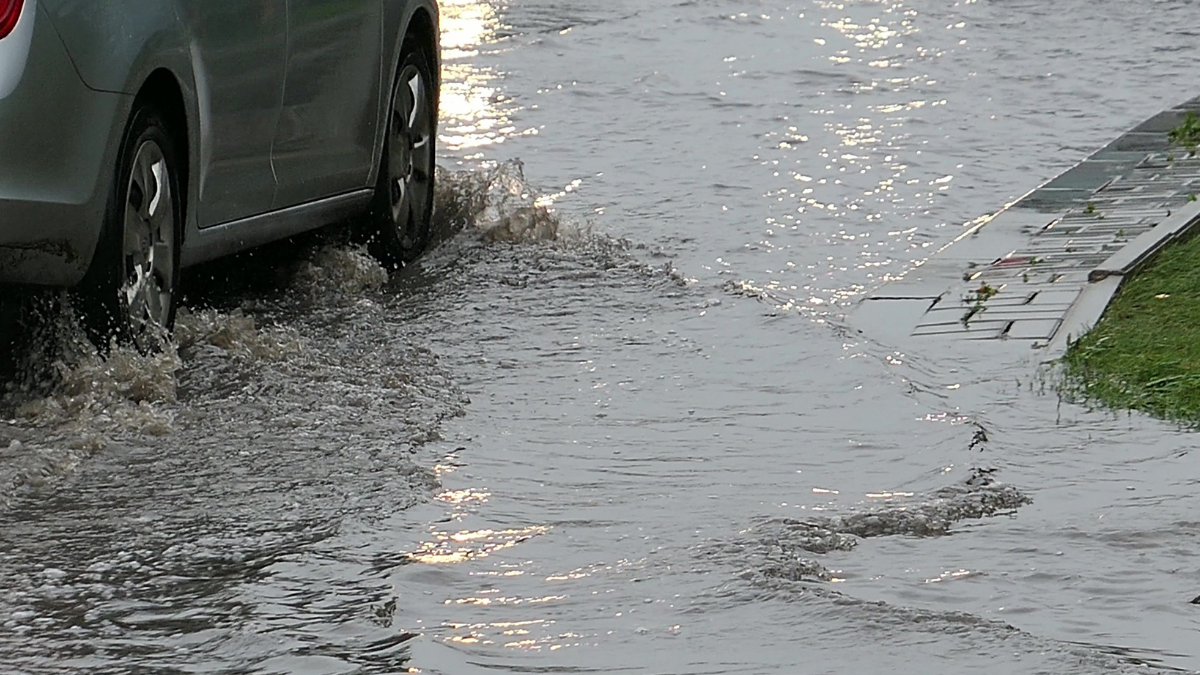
(498,204)
(63,381)
(334,269)
(236,333)
(64,400)
(508,231)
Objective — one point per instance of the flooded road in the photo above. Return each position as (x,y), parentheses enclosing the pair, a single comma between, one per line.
(615,421)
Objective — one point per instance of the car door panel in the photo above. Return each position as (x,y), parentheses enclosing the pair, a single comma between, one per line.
(239,52)
(327,127)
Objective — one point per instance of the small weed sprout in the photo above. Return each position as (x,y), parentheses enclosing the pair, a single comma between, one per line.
(983,293)
(1187,134)
(978,297)
(970,314)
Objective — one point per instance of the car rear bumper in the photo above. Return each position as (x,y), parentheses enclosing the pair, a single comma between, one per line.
(56,147)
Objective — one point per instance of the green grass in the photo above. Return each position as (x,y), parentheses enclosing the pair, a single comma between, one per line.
(1144,353)
(1187,133)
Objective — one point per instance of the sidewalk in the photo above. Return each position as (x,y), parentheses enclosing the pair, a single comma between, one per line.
(1041,271)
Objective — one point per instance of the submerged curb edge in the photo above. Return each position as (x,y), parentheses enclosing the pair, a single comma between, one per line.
(1040,272)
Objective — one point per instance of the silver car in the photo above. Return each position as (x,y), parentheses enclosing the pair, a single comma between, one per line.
(138,137)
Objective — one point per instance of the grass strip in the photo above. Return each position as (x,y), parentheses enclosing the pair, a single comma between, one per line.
(1144,353)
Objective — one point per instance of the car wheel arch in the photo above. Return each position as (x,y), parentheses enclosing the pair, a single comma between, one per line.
(420,23)
(165,91)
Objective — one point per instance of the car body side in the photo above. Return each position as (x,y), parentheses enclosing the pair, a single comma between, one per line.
(62,123)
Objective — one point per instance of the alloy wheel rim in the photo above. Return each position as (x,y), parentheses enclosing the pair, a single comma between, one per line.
(148,249)
(410,155)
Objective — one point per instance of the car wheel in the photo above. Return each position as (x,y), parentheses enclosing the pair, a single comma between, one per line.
(398,226)
(130,290)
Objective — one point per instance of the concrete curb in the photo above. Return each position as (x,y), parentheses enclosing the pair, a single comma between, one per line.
(1083,314)
(1142,248)
(1106,280)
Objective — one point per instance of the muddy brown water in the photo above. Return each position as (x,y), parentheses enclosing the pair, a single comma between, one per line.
(615,421)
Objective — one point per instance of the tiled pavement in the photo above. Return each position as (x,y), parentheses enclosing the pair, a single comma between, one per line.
(1044,268)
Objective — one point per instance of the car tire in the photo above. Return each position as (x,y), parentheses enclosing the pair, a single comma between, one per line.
(131,288)
(397,228)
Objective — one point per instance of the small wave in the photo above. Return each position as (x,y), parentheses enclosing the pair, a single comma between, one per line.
(777,562)
(974,637)
(34,465)
(777,548)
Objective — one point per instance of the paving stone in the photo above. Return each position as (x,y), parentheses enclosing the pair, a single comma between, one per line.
(1056,297)
(1129,157)
(1052,200)
(991,313)
(912,290)
(1033,329)
(889,319)
(1088,174)
(1091,239)
(1140,142)
(1113,226)
(974,330)
(1065,257)
(1002,275)
(1002,299)
(1068,279)
(1140,180)
(1162,122)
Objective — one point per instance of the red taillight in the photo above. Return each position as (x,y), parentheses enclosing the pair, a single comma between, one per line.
(10,11)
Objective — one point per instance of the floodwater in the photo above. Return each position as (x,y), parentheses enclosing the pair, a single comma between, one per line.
(616,421)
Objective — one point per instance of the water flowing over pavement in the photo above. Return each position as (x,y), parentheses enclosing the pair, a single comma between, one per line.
(615,421)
